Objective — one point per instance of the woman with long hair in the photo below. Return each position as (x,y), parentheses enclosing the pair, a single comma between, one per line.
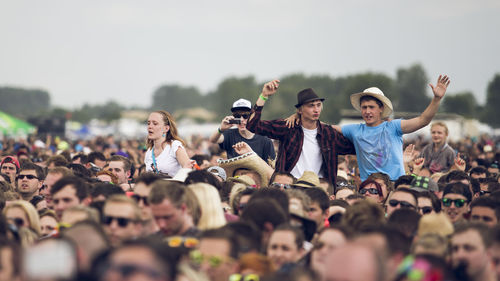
(23,214)
(212,214)
(166,153)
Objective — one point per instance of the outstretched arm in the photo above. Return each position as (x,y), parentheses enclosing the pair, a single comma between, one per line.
(268,90)
(411,125)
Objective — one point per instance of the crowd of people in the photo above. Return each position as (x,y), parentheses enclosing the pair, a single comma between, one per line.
(286,199)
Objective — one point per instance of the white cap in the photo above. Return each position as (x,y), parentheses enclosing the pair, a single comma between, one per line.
(242,104)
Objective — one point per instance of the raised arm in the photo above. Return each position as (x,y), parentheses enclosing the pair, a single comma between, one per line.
(411,125)
(268,90)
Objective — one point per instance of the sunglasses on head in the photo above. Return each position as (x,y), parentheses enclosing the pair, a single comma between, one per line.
(403,204)
(373,191)
(122,222)
(126,270)
(178,241)
(30,177)
(281,185)
(459,203)
(426,210)
(139,198)
(241,115)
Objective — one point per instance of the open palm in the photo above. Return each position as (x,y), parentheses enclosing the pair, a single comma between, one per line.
(442,84)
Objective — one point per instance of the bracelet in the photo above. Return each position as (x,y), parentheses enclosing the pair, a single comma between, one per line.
(262,97)
(219,130)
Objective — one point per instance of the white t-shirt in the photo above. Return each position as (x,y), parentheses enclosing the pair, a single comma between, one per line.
(167,160)
(310,157)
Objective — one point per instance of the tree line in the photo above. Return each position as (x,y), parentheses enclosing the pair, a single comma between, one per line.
(407,91)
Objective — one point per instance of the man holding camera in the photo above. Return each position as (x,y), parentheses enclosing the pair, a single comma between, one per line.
(233,130)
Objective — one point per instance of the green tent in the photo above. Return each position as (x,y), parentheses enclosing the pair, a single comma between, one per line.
(11,126)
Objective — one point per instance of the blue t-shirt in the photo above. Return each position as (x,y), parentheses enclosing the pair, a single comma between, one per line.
(378,149)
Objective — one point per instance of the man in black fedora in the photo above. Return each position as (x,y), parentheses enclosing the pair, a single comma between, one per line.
(309,145)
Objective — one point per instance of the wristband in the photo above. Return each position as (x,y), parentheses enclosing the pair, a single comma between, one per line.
(218,129)
(262,97)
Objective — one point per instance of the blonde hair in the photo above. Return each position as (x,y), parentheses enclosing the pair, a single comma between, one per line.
(30,211)
(123,199)
(172,133)
(212,214)
(440,124)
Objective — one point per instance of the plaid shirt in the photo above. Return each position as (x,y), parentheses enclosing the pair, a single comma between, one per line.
(330,142)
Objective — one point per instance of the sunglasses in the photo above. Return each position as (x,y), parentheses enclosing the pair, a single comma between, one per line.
(484,192)
(197,258)
(30,177)
(280,185)
(247,277)
(139,198)
(403,204)
(244,115)
(126,270)
(373,191)
(17,221)
(459,203)
(122,222)
(426,210)
(178,241)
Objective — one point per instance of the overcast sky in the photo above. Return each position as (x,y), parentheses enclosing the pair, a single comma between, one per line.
(92,51)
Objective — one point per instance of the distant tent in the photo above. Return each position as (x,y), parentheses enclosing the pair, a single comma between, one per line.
(11,126)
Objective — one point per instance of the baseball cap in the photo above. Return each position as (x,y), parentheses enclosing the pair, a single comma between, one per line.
(10,159)
(242,104)
(420,183)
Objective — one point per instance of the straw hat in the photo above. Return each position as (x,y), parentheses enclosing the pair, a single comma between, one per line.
(376,93)
(308,226)
(435,223)
(250,161)
(307,180)
(244,179)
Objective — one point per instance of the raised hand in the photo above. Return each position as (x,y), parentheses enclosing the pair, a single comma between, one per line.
(270,88)
(442,84)
(418,164)
(242,148)
(459,163)
(408,153)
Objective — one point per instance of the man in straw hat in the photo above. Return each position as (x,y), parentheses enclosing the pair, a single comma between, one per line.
(308,146)
(379,143)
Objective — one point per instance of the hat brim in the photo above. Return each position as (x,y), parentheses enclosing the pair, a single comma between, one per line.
(309,100)
(250,161)
(241,109)
(355,98)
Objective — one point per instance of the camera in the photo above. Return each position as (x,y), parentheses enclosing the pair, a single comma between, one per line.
(235,121)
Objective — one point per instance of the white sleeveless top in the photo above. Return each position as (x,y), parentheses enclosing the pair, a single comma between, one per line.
(166,162)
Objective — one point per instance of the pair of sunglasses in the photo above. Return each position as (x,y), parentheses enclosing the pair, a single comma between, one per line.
(373,191)
(139,198)
(30,177)
(403,204)
(426,210)
(178,241)
(19,222)
(197,258)
(122,222)
(280,185)
(244,115)
(459,203)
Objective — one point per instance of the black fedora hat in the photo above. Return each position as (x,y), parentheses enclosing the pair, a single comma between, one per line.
(306,96)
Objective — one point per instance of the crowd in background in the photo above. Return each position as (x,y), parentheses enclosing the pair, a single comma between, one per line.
(119,221)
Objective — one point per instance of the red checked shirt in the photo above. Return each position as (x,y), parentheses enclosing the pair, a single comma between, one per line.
(331,143)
